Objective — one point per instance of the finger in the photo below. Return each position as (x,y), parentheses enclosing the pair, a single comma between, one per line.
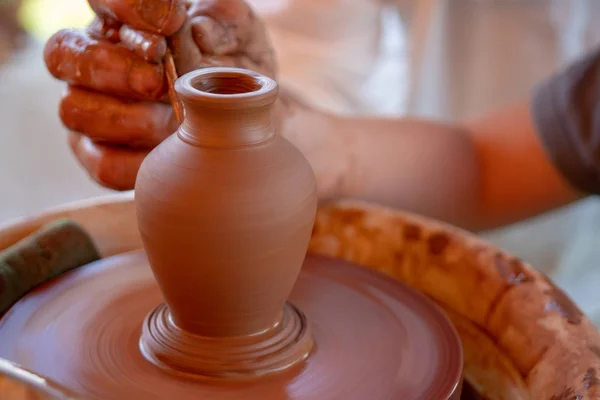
(229,23)
(111,120)
(149,46)
(163,17)
(104,29)
(77,58)
(212,37)
(236,13)
(230,27)
(112,167)
(186,54)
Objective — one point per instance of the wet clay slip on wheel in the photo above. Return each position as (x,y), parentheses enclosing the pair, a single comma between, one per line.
(92,346)
(224,303)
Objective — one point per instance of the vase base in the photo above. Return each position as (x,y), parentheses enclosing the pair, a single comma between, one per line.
(283,346)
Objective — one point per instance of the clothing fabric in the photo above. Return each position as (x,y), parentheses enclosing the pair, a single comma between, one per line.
(566,111)
(343,56)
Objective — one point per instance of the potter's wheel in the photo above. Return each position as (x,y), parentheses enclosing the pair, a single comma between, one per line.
(374,338)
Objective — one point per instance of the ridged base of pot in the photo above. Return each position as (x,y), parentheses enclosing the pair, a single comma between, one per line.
(285,345)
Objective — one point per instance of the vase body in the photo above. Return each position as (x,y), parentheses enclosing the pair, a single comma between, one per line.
(225,207)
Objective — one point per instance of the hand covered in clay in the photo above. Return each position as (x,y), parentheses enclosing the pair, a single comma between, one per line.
(116,105)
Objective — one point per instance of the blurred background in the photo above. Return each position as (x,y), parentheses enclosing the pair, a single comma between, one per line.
(445,59)
(36,168)
(42,18)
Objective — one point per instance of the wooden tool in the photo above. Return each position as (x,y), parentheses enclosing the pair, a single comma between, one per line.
(172,76)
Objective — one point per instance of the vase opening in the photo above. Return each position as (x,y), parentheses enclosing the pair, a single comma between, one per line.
(226,88)
(227,83)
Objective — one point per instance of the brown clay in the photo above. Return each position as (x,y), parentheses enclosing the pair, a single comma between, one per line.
(225,210)
(147,45)
(375,338)
(75,56)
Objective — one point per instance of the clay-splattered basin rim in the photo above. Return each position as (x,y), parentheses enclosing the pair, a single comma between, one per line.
(523,338)
(17,383)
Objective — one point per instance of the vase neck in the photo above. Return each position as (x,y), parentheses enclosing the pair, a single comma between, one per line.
(226,107)
(226,128)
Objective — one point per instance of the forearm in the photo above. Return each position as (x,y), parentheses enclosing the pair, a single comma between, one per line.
(518,180)
(482,175)
(317,135)
(420,166)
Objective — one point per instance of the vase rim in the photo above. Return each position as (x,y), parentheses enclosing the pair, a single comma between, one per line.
(225,87)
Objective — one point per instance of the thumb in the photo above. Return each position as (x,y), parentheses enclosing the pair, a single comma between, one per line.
(221,27)
(212,37)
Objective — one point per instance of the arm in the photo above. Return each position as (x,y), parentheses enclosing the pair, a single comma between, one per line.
(483,174)
(479,175)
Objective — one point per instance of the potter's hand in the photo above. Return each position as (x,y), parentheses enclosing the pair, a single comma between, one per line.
(116,105)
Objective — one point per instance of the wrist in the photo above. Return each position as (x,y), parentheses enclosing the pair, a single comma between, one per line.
(323,140)
(288,105)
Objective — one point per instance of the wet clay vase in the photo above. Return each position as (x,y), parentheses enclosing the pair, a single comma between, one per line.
(225,209)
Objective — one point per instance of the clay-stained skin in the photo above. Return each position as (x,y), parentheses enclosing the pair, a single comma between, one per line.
(105,118)
(160,16)
(223,33)
(79,59)
(104,29)
(100,161)
(147,45)
(119,58)
(224,26)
